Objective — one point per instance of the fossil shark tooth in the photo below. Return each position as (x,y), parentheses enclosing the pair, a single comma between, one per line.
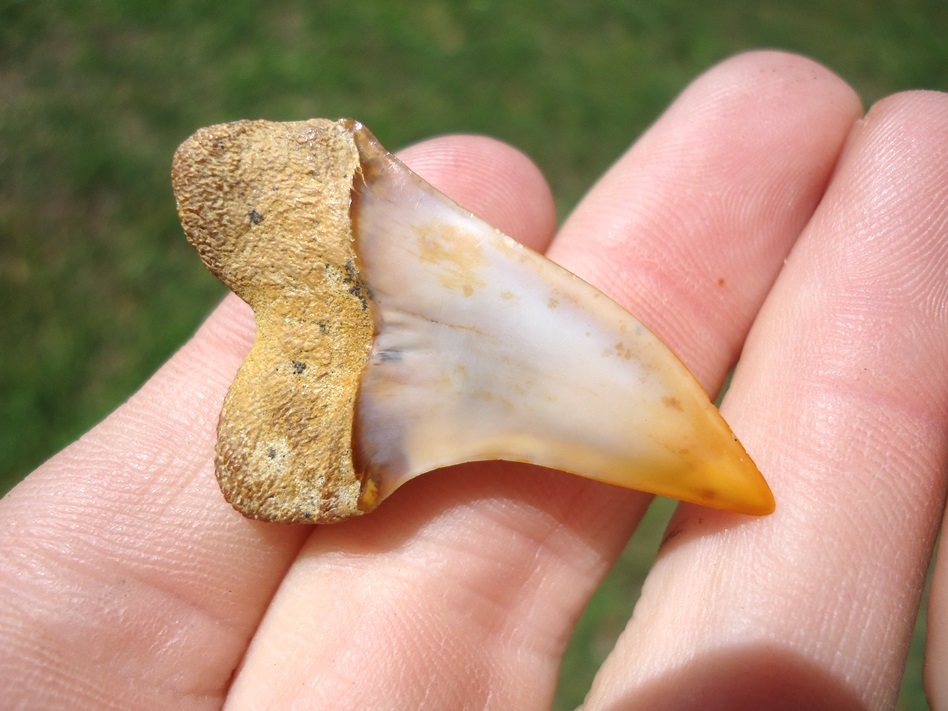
(397,333)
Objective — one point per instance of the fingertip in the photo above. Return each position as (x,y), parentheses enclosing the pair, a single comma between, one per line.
(788,71)
(690,227)
(492,179)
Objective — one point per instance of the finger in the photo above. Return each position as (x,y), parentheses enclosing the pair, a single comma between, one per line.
(119,571)
(491,180)
(124,574)
(694,221)
(842,396)
(467,582)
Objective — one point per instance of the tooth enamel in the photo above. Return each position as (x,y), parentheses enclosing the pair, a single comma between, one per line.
(426,332)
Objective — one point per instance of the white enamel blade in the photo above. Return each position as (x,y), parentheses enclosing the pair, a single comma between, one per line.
(487,350)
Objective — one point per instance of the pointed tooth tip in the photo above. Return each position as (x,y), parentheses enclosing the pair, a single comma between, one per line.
(719,473)
(736,486)
(729,480)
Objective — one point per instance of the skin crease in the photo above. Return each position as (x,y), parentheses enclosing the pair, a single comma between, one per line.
(733,226)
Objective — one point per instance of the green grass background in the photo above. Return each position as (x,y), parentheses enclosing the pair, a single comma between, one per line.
(97,285)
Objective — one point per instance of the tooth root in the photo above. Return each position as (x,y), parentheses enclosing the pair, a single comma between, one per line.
(397,333)
(487,350)
(266,205)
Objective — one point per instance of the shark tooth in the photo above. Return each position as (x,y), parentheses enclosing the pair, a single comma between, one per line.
(397,333)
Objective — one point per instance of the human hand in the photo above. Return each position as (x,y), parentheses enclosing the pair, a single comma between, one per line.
(734,226)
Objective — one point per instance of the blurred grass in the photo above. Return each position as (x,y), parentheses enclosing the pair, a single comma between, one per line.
(97,286)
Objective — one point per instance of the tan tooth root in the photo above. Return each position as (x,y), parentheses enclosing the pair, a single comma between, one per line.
(267,207)
(397,333)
